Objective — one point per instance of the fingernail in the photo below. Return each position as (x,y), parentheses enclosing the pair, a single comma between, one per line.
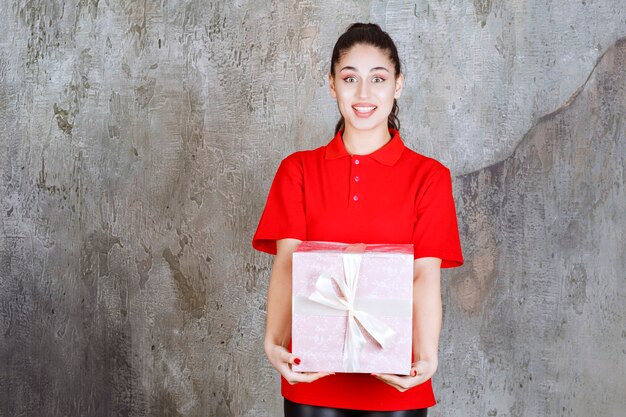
(413,372)
(297,361)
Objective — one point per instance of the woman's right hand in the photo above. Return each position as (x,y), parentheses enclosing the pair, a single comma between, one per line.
(281,360)
(278,326)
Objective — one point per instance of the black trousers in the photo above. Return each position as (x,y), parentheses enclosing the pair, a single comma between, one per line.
(301,410)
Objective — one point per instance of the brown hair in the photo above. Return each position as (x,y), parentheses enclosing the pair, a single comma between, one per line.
(368,34)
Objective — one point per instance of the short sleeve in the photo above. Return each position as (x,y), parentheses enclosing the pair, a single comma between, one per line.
(284,215)
(436,232)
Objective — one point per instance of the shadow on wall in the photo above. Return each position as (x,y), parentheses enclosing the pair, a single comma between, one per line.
(542,295)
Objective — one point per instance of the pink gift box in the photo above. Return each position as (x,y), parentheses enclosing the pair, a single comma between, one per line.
(352,307)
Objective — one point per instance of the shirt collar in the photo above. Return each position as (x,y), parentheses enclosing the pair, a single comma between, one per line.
(388,154)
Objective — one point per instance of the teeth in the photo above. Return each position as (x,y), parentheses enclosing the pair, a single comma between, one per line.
(364,109)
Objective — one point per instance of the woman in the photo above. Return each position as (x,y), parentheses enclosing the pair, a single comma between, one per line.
(364,186)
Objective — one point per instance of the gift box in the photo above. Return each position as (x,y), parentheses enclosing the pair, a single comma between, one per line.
(352,307)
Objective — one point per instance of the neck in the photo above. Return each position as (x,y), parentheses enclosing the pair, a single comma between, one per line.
(364,142)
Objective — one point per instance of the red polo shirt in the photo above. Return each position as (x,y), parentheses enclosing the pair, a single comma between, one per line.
(392,195)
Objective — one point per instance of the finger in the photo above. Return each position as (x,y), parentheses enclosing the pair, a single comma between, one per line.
(419,379)
(314,376)
(394,380)
(293,359)
(419,368)
(387,381)
(288,357)
(296,377)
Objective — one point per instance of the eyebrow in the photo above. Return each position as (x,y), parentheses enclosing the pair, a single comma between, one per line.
(373,69)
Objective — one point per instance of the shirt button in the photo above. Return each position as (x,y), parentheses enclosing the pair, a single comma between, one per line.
(355,198)
(357,178)
(357,162)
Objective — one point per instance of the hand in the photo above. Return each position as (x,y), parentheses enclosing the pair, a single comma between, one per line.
(281,360)
(421,371)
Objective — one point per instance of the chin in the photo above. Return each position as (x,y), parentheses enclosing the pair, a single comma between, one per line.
(367,125)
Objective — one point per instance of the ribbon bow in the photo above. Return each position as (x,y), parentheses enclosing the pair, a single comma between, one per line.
(326,295)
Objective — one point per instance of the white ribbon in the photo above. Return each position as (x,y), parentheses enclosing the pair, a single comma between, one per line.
(326,295)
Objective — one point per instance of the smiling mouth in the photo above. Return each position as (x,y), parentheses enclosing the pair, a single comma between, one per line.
(364,109)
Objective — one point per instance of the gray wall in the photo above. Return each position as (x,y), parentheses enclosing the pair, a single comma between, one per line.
(138,141)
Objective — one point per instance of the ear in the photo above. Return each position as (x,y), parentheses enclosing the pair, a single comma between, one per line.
(331,84)
(399,86)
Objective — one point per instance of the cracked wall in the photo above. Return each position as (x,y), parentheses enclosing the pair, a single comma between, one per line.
(541,299)
(137,144)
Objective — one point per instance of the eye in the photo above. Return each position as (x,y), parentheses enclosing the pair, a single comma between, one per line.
(377,79)
(350,79)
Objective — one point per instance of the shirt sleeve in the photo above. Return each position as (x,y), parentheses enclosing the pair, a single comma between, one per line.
(436,232)
(284,215)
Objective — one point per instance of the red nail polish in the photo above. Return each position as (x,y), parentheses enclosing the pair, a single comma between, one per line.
(297,361)
(413,372)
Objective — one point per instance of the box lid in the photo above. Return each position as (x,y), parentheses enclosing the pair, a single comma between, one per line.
(325,246)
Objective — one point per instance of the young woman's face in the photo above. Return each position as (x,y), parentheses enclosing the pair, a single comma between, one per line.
(365,85)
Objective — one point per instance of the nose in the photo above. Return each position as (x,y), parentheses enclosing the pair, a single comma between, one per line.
(363,89)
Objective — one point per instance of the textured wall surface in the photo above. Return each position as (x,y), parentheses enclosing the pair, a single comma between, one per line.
(138,140)
(537,317)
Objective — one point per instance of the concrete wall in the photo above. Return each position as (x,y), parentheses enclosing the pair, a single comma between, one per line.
(138,140)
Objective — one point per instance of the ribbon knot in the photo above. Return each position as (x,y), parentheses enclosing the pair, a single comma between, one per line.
(326,295)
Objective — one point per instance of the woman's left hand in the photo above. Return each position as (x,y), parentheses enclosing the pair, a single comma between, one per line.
(421,371)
